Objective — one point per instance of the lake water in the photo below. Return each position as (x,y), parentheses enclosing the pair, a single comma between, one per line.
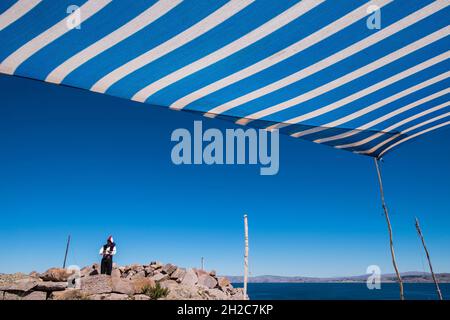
(342,291)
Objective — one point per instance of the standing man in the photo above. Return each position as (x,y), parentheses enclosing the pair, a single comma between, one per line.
(107,251)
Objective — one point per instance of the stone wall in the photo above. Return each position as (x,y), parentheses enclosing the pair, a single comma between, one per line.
(125,283)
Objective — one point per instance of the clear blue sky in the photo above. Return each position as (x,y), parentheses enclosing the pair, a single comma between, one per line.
(91,165)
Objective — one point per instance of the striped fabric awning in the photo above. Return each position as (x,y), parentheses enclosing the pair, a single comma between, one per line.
(323,71)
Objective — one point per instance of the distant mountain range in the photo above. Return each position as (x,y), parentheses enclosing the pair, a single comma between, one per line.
(414,276)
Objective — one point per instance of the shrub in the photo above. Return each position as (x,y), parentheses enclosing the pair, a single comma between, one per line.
(155,292)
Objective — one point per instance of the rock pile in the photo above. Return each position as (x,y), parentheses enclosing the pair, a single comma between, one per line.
(133,282)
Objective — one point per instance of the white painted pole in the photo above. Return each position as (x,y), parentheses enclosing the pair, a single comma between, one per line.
(245,256)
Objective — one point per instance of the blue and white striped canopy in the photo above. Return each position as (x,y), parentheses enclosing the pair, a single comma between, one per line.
(314,69)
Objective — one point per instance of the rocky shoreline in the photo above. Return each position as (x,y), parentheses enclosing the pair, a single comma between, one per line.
(155,281)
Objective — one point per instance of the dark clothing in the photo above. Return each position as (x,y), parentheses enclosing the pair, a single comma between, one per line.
(106,265)
(110,246)
(108,250)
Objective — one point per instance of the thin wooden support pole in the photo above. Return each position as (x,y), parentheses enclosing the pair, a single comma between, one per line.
(245,256)
(67,250)
(429,260)
(388,221)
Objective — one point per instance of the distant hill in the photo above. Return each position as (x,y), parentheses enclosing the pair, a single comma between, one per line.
(414,276)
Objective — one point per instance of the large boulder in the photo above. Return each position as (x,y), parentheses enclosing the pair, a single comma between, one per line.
(137,268)
(183,292)
(122,286)
(56,274)
(21,285)
(169,268)
(96,284)
(215,294)
(141,283)
(238,294)
(148,271)
(140,274)
(223,282)
(91,270)
(128,275)
(207,281)
(169,284)
(115,273)
(160,277)
(178,274)
(190,278)
(49,286)
(201,272)
(35,295)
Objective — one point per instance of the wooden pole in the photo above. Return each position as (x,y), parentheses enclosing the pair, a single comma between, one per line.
(388,221)
(245,256)
(429,259)
(203,263)
(67,250)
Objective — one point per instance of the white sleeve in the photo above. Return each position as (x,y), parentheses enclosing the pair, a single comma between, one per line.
(114,251)
(101,250)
